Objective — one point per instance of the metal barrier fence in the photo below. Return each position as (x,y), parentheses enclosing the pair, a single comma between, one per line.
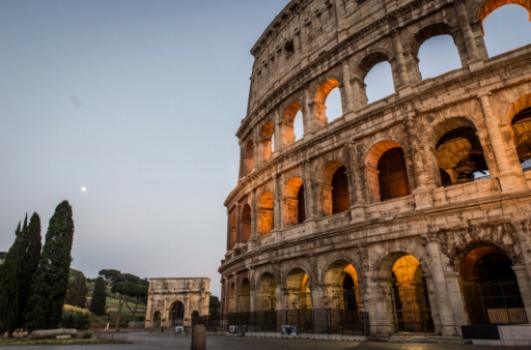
(317,321)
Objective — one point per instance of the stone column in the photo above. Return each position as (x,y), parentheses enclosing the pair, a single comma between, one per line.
(308,112)
(474,53)
(228,228)
(237,207)
(447,324)
(277,133)
(457,300)
(406,72)
(254,221)
(511,175)
(277,210)
(346,91)
(524,283)
(309,197)
(378,304)
(358,93)
(424,162)
(357,211)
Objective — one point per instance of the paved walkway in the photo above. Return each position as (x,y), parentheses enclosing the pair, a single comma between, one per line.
(147,341)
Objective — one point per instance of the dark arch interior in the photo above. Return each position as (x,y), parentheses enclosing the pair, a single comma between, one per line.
(522,136)
(246,223)
(340,197)
(177,314)
(460,157)
(392,174)
(349,293)
(301,206)
(491,289)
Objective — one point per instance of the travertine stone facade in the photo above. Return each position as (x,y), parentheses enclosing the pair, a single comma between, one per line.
(434,173)
(174,301)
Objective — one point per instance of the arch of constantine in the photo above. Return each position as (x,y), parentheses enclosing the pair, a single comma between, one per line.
(175,301)
(413,210)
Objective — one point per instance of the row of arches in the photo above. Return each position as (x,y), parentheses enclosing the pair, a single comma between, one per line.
(487,282)
(376,76)
(457,152)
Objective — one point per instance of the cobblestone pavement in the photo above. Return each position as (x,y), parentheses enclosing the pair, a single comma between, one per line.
(147,341)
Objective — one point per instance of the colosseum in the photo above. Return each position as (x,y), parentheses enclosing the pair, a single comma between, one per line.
(408,213)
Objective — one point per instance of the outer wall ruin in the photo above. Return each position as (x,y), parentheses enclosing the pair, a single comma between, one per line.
(414,209)
(175,301)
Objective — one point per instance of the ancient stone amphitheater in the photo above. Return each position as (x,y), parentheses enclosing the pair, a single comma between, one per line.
(408,213)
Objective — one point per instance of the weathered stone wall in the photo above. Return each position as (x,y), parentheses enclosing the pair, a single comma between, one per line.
(163,293)
(313,46)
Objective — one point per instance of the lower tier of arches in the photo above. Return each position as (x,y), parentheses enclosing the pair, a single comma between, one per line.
(433,283)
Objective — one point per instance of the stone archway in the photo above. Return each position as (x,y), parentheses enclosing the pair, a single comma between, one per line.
(342,291)
(411,304)
(176,315)
(490,287)
(156,320)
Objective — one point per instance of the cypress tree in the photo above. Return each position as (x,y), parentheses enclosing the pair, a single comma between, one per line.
(30,260)
(99,295)
(50,282)
(9,284)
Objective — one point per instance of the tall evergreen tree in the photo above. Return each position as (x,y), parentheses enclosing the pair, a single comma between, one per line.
(50,282)
(30,260)
(9,284)
(99,296)
(77,289)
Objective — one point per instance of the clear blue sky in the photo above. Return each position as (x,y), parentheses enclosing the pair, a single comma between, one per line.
(138,101)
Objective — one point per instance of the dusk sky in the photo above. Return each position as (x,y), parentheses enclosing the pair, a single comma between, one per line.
(139,102)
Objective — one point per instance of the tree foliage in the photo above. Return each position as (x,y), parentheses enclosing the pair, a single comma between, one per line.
(99,297)
(50,282)
(77,289)
(214,307)
(17,272)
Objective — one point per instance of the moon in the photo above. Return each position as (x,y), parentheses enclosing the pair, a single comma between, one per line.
(84,189)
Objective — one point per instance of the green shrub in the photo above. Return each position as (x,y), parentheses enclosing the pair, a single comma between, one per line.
(75,318)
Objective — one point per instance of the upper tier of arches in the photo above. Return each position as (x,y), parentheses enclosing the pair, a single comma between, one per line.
(298,103)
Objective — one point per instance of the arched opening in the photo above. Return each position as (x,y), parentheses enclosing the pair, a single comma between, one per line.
(156,320)
(501,37)
(298,297)
(379,82)
(342,287)
(292,128)
(340,195)
(387,176)
(266,296)
(232,298)
(392,174)
(245,223)
(459,153)
(294,206)
(267,142)
(266,302)
(248,158)
(233,228)
(298,292)
(342,291)
(437,51)
(298,126)
(245,296)
(490,287)
(265,213)
(177,314)
(521,125)
(328,105)
(411,304)
(377,76)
